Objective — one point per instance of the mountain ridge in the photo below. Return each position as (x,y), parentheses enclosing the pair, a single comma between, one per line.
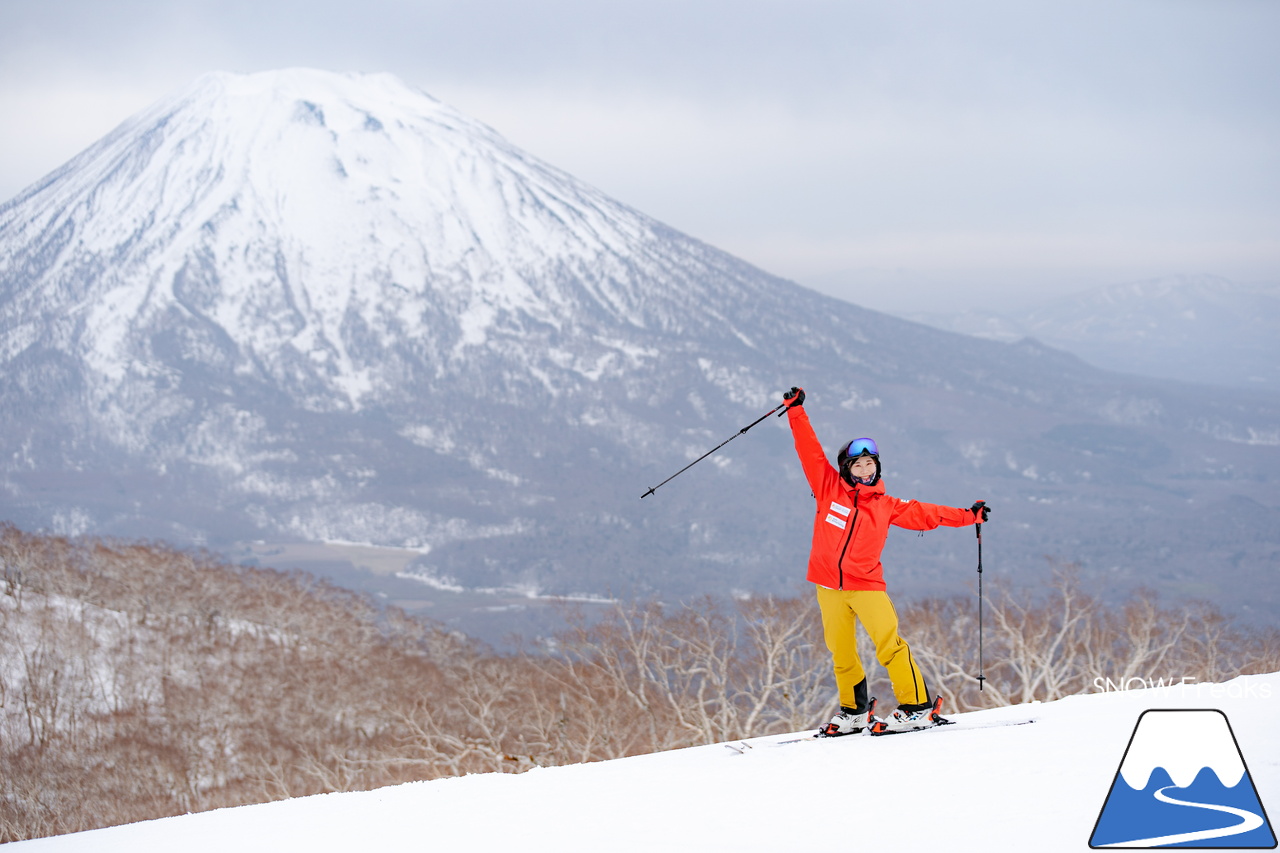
(1194,328)
(449,345)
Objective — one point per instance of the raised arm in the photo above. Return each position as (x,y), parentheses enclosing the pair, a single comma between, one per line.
(818,470)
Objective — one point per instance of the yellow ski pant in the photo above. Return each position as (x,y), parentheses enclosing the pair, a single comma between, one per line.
(842,609)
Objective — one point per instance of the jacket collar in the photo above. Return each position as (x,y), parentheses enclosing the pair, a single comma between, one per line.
(860,490)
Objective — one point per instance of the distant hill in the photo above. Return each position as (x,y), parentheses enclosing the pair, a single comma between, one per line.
(1191,328)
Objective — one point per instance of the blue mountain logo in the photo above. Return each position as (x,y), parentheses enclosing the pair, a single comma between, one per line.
(1183,783)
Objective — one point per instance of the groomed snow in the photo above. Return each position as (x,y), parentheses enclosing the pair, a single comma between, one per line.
(1034,787)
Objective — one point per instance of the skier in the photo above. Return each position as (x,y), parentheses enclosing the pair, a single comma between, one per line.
(849,532)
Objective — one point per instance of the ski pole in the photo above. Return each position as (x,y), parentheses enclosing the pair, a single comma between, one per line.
(981,678)
(742,431)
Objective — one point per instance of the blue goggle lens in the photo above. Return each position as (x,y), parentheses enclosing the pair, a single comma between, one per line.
(859,446)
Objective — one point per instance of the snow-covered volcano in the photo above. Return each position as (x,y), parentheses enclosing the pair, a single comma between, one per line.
(327,244)
(301,226)
(316,306)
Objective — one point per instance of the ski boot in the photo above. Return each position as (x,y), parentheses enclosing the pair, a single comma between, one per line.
(909,718)
(848,722)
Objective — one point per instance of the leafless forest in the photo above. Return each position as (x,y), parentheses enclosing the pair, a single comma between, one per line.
(139,681)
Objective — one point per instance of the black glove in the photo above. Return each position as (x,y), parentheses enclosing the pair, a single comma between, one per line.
(981,510)
(794,397)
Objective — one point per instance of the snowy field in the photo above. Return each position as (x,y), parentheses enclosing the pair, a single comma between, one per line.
(995,788)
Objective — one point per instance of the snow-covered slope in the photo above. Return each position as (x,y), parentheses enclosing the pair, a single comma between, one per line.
(1031,787)
(299,305)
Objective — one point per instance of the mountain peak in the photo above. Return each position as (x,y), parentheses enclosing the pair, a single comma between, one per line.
(278,209)
(322,306)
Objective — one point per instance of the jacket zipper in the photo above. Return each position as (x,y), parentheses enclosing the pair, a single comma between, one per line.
(847,538)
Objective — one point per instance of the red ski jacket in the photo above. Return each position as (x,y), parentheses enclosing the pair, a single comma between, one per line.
(852,522)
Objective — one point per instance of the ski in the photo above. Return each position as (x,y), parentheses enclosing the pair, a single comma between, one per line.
(742,747)
(953,726)
(946,726)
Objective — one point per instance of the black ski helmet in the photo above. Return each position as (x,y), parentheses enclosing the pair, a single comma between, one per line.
(854,449)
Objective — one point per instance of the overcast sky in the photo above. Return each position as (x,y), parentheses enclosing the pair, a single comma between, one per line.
(931,154)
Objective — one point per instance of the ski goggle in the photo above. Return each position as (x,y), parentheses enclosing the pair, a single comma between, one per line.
(860,447)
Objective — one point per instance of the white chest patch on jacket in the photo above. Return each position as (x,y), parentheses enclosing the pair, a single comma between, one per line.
(838,510)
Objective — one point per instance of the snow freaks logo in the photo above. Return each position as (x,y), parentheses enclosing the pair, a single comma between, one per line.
(1183,783)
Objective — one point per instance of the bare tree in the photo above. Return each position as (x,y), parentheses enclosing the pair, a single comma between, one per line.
(138,680)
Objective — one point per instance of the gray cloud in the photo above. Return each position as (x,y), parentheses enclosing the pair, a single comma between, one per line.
(876,150)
